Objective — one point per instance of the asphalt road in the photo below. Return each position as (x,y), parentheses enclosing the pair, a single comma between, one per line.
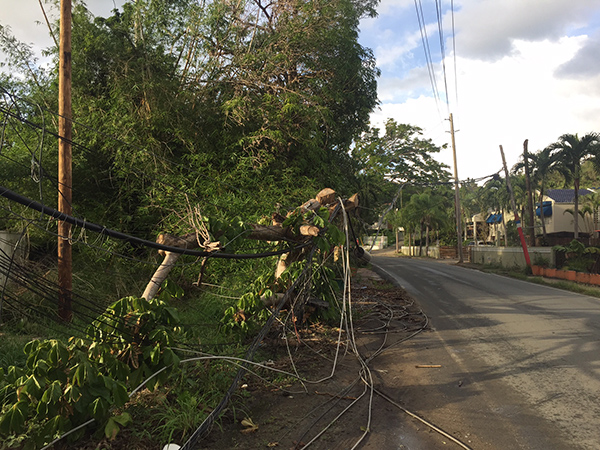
(520,363)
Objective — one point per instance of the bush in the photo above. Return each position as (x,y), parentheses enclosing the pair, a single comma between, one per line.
(63,385)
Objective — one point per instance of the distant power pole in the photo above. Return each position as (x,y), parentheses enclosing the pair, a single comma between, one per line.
(531,217)
(456,196)
(65,179)
(514,207)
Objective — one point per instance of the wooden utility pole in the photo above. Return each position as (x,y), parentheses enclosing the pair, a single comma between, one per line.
(514,207)
(65,179)
(456,197)
(531,221)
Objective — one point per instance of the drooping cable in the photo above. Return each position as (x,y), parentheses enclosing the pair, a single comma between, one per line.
(7,193)
(438,10)
(208,422)
(427,50)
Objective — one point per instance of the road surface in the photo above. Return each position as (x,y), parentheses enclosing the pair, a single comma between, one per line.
(520,363)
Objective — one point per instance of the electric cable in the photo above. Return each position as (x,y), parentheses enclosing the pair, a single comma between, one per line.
(438,10)
(454,53)
(420,419)
(7,193)
(207,424)
(426,49)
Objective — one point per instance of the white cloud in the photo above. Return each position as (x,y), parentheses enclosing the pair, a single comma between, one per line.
(585,63)
(487,29)
(389,6)
(396,52)
(505,102)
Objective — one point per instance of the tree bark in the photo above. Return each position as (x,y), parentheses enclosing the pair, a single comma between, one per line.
(160,275)
(530,212)
(275,232)
(576,214)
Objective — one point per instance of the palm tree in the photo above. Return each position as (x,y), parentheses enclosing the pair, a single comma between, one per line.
(494,197)
(584,210)
(428,211)
(541,165)
(593,202)
(570,151)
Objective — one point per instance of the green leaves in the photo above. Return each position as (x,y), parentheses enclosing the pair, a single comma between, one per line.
(401,154)
(62,385)
(13,420)
(53,393)
(114,424)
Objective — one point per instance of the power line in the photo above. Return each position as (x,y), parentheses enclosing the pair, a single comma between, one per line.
(426,49)
(438,10)
(454,53)
(13,196)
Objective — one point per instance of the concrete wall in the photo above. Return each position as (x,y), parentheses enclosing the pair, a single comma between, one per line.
(8,241)
(504,256)
(434,251)
(381,242)
(509,256)
(563,221)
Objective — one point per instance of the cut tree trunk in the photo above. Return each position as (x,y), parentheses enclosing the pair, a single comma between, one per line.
(274,232)
(187,241)
(160,275)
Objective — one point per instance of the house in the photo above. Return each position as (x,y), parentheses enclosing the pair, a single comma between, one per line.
(558,207)
(490,227)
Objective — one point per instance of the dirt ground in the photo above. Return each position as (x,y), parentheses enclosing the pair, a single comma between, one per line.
(336,408)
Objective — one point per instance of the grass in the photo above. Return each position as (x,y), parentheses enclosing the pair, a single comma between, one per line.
(522,274)
(173,411)
(177,408)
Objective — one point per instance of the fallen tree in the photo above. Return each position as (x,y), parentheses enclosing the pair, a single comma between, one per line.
(281,229)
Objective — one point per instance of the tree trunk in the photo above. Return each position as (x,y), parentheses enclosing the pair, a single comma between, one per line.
(275,232)
(576,208)
(421,240)
(160,275)
(188,241)
(530,211)
(542,217)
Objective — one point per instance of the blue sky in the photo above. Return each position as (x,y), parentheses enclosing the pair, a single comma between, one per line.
(526,69)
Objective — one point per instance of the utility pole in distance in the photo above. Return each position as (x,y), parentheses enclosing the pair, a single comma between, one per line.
(456,196)
(514,207)
(65,178)
(530,214)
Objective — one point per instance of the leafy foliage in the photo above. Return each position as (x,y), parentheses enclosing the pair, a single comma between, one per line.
(401,154)
(64,385)
(570,152)
(250,311)
(578,257)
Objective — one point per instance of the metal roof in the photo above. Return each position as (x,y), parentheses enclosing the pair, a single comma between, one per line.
(565,195)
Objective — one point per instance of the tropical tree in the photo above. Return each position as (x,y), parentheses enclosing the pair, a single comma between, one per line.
(401,155)
(542,166)
(592,201)
(184,100)
(429,211)
(570,152)
(398,157)
(494,197)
